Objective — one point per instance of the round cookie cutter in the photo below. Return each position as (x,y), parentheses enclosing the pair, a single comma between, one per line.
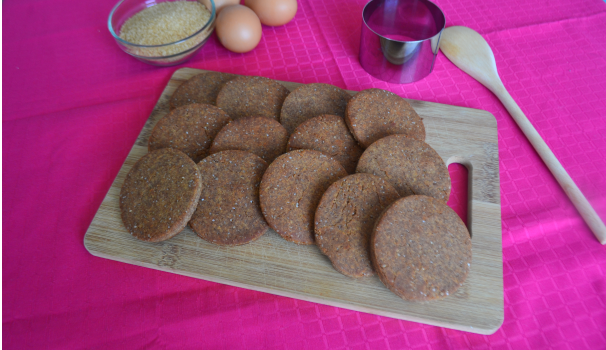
(400,39)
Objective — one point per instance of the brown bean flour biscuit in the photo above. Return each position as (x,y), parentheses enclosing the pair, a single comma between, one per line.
(159,195)
(228,211)
(374,113)
(311,100)
(202,88)
(189,129)
(421,249)
(252,96)
(328,134)
(345,219)
(291,189)
(262,136)
(410,165)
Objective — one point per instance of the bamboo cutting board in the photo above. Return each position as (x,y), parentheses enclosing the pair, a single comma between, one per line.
(273,265)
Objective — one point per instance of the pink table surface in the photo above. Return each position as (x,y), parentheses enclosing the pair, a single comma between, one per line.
(73,105)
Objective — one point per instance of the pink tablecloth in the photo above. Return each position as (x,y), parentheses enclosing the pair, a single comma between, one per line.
(73,104)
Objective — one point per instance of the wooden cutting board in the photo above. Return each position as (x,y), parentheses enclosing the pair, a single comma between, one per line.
(273,265)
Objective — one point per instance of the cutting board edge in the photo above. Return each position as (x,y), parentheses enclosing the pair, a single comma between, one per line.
(329,302)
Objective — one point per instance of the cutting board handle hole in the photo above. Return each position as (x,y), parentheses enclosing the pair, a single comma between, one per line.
(459,191)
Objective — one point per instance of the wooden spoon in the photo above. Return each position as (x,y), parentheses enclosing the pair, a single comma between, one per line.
(471,53)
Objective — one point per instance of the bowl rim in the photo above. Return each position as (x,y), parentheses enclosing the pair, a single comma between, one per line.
(211,20)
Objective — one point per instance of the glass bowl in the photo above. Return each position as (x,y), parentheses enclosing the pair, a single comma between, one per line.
(159,55)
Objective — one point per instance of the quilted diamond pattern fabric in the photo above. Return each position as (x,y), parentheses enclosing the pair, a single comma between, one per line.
(74,103)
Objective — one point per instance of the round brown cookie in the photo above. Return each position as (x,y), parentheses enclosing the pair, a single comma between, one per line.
(189,129)
(410,165)
(252,96)
(291,189)
(311,100)
(421,249)
(329,135)
(159,195)
(228,211)
(345,218)
(374,113)
(202,88)
(262,136)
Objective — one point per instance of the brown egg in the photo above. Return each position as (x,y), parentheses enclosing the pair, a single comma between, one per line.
(238,28)
(273,12)
(220,4)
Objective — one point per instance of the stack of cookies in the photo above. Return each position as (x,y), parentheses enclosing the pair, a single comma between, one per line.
(238,155)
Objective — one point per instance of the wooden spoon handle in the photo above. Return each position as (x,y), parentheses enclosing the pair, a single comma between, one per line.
(576,196)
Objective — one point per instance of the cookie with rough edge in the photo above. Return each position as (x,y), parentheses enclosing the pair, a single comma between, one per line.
(291,189)
(311,100)
(247,96)
(159,195)
(328,134)
(202,88)
(410,165)
(345,219)
(228,211)
(190,129)
(262,136)
(374,114)
(420,248)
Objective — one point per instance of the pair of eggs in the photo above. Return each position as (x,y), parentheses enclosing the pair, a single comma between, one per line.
(239,27)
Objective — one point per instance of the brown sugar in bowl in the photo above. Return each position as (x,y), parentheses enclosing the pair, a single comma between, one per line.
(166,34)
